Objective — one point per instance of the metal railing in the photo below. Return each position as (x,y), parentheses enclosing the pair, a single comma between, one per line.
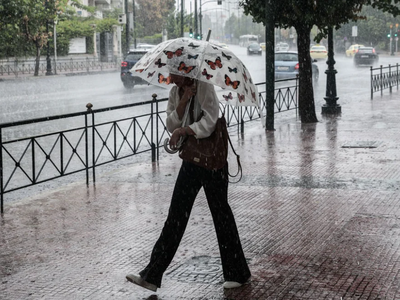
(384,78)
(70,65)
(89,139)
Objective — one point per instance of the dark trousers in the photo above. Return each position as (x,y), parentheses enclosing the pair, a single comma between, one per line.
(215,183)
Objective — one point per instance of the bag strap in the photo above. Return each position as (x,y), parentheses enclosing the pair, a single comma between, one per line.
(238,162)
(239,171)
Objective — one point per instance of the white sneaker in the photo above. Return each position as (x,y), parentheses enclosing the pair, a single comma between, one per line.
(231,284)
(141,282)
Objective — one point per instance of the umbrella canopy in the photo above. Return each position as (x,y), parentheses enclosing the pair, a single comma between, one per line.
(203,61)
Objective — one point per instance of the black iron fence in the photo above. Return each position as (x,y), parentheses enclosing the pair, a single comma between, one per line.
(65,65)
(384,78)
(43,149)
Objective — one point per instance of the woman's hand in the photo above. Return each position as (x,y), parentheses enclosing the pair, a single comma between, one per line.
(176,135)
(189,91)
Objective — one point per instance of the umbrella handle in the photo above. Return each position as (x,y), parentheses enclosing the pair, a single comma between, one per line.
(168,149)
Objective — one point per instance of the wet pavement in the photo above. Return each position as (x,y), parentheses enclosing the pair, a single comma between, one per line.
(318,211)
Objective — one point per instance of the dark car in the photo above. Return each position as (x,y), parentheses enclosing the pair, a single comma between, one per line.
(365,56)
(287,66)
(127,78)
(254,48)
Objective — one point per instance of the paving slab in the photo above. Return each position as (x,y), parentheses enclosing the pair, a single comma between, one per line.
(317,210)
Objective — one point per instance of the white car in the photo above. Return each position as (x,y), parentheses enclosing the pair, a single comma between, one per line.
(142,46)
(282,47)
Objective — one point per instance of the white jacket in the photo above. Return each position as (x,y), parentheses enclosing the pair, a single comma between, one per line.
(206,101)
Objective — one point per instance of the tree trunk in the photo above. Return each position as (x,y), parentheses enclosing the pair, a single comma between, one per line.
(37,64)
(306,92)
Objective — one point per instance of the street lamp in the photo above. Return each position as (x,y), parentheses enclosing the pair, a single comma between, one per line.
(331,107)
(391,40)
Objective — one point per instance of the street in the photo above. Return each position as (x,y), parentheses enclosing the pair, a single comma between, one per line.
(23,98)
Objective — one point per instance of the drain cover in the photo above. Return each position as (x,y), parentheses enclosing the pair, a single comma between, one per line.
(361,144)
(202,269)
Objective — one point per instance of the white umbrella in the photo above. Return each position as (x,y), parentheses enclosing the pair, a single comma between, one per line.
(203,61)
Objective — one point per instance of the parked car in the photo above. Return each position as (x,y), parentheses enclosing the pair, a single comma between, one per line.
(254,48)
(282,47)
(352,50)
(223,45)
(142,46)
(287,66)
(365,56)
(262,45)
(318,52)
(127,78)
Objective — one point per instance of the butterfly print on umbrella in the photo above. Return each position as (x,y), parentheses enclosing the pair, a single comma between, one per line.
(162,79)
(214,64)
(208,76)
(193,46)
(228,57)
(241,98)
(234,70)
(193,56)
(234,84)
(184,68)
(150,74)
(170,54)
(244,76)
(228,97)
(159,63)
(253,94)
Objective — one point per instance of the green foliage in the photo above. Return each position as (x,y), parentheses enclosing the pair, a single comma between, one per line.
(24,31)
(303,15)
(152,15)
(372,30)
(79,27)
(173,24)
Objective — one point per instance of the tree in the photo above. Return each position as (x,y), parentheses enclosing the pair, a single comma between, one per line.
(24,24)
(303,15)
(152,15)
(174,24)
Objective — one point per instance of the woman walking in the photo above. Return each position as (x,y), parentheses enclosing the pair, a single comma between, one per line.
(191,178)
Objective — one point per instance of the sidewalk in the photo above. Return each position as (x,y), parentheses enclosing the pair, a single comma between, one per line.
(318,211)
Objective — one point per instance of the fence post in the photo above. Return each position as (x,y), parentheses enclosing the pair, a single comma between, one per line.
(157,137)
(241,120)
(16,67)
(87,64)
(89,110)
(397,75)
(372,92)
(390,79)
(153,147)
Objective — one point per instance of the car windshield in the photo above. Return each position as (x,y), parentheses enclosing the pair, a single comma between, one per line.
(286,57)
(134,56)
